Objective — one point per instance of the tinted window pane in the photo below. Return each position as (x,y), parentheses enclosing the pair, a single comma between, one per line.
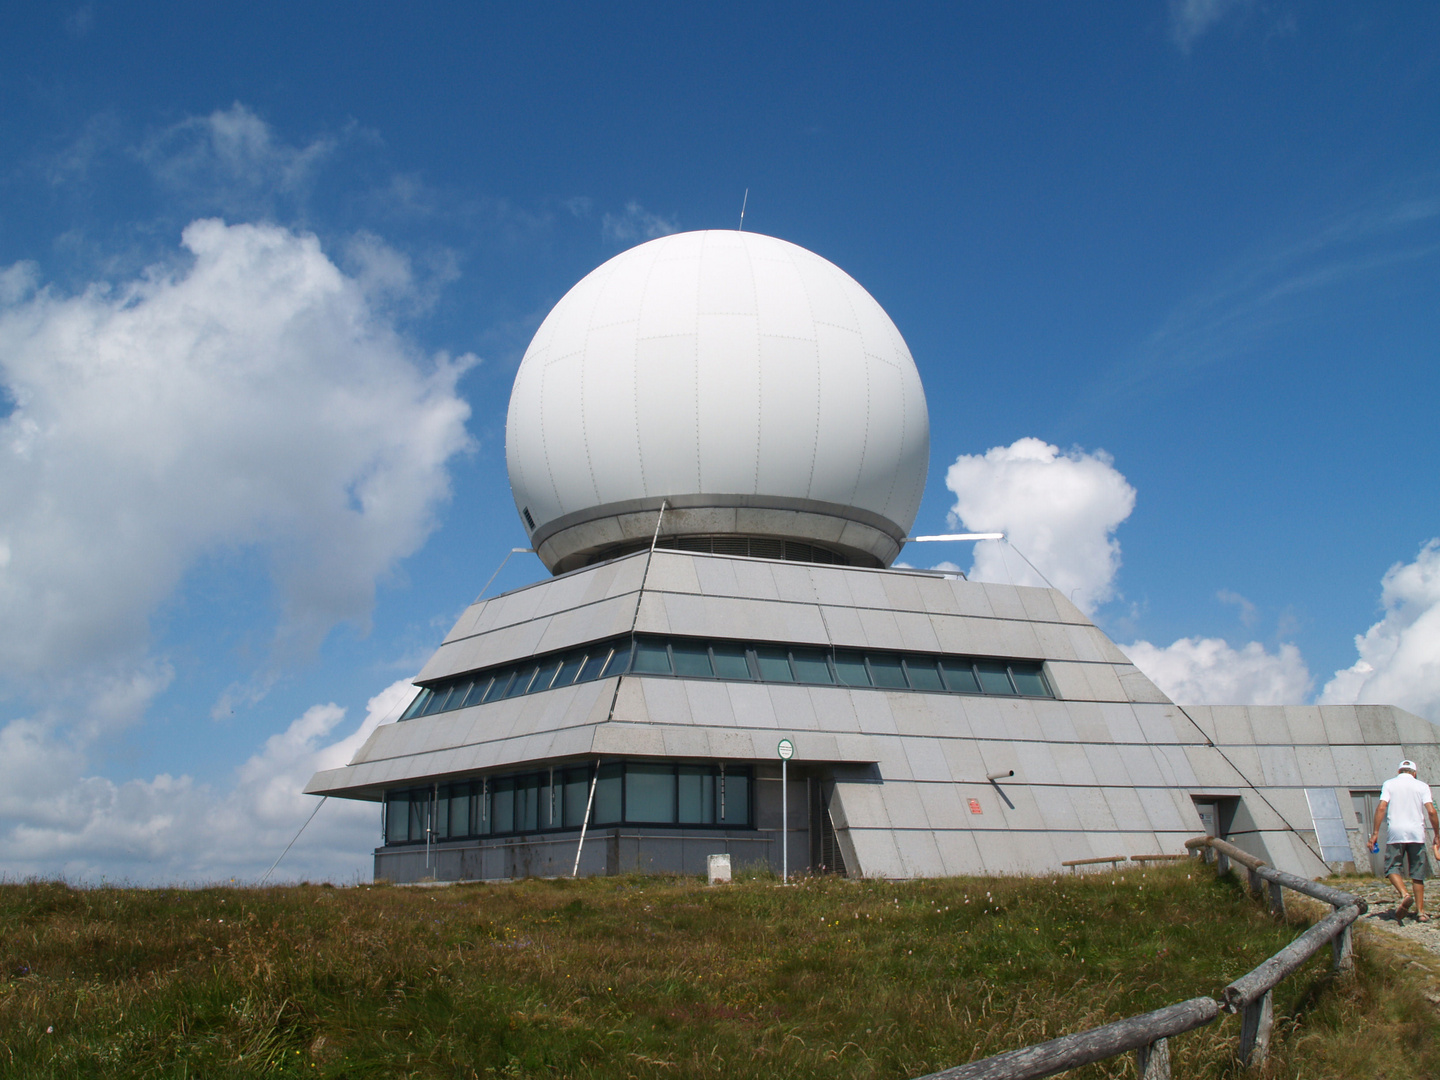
(460,812)
(650,793)
(887,672)
(502,805)
(527,803)
(497,688)
(421,700)
(569,669)
(545,677)
(850,666)
(730,662)
(735,799)
(477,691)
(397,819)
(457,695)
(697,795)
(594,664)
(419,815)
(521,681)
(960,674)
(619,661)
(576,793)
(774,664)
(811,665)
(436,702)
(692,659)
(607,796)
(651,658)
(1029,680)
(993,677)
(924,675)
(440,816)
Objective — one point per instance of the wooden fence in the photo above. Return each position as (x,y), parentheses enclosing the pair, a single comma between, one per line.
(1251,995)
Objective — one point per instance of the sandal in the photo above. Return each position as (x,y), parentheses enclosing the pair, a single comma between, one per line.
(1422,917)
(1403,907)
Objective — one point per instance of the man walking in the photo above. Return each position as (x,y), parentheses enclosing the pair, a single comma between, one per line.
(1405,801)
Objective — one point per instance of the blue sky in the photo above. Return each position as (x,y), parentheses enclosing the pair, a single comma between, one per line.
(1194,247)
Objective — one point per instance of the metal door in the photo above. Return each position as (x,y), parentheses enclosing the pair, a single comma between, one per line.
(1365,803)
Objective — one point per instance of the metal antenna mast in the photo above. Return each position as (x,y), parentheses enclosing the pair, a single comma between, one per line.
(743,201)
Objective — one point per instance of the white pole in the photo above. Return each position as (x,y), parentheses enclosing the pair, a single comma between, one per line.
(585,821)
(784,822)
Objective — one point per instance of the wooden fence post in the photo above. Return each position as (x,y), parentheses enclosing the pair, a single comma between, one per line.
(1340,943)
(1153,1062)
(1277,899)
(1256,1020)
(1257,884)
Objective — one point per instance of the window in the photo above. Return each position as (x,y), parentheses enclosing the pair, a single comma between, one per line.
(888,672)
(994,677)
(650,793)
(698,658)
(730,661)
(850,667)
(692,659)
(960,674)
(923,673)
(651,658)
(811,666)
(773,663)
(645,793)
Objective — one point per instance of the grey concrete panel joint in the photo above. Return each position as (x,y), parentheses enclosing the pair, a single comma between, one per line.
(1086,1047)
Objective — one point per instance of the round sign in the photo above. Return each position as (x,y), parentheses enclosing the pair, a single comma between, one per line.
(786,749)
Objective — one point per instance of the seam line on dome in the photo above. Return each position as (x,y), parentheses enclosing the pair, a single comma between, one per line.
(819,378)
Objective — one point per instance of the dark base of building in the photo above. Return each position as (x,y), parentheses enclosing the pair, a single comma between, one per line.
(607,851)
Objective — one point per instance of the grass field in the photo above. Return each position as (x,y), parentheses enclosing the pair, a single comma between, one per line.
(662,977)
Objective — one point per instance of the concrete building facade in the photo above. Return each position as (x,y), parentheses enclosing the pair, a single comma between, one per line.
(717,443)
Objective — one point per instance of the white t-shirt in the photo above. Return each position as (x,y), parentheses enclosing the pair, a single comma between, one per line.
(1405,815)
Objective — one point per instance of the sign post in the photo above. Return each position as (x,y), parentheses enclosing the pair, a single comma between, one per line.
(786,750)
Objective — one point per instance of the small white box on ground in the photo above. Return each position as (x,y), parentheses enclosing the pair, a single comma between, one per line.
(718,867)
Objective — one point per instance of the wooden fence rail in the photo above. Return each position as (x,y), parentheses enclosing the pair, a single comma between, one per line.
(1251,995)
(1145,1034)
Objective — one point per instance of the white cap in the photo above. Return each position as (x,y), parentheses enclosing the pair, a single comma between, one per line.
(1407,766)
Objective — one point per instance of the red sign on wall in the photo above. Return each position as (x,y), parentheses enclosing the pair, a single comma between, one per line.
(975,807)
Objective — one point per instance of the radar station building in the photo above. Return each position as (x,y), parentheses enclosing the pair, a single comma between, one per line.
(717,443)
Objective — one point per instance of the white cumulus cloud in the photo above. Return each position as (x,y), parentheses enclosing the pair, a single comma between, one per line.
(250,395)
(1208,671)
(1399,662)
(1060,509)
(58,821)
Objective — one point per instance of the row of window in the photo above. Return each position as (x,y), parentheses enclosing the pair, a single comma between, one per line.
(626,792)
(695,658)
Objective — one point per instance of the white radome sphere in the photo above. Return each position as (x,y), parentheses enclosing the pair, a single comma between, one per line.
(751,385)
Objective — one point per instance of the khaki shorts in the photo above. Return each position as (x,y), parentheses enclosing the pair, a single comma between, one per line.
(1398,855)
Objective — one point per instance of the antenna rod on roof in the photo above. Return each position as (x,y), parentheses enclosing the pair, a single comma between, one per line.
(743,201)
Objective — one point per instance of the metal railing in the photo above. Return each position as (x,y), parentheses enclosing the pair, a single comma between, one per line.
(1251,995)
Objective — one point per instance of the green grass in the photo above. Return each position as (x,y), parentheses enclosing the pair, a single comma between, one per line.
(661,977)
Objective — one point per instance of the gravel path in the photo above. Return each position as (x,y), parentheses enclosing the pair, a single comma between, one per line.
(1380,895)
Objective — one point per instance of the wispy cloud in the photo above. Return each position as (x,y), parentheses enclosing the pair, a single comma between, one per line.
(634,224)
(1248,615)
(231,160)
(1190,20)
(1272,288)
